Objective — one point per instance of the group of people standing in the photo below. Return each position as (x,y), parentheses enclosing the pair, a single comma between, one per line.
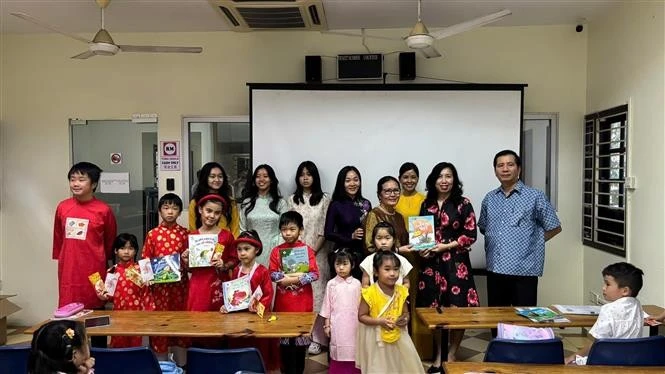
(515,219)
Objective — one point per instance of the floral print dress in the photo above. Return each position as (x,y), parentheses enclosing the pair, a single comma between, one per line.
(446,278)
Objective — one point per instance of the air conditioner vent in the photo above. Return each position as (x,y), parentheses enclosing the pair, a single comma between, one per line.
(249,15)
(272,18)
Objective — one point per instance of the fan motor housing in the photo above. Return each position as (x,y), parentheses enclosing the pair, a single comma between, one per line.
(419,41)
(104,49)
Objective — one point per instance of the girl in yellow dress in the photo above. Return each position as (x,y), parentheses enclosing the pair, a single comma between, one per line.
(384,345)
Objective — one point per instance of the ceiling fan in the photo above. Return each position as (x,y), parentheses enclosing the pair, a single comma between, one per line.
(102,44)
(421,39)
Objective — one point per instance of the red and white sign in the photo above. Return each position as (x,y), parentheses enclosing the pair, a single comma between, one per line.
(169,155)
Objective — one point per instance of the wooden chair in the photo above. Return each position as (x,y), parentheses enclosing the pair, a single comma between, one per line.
(628,352)
(224,361)
(548,351)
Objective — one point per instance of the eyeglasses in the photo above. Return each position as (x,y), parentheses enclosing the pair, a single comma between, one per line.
(391,192)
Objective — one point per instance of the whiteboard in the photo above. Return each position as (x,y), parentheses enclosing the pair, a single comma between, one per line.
(378,130)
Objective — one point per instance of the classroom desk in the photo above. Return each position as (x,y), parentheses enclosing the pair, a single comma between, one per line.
(489,317)
(200,324)
(491,367)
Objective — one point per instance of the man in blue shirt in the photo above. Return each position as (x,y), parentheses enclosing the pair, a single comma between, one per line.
(516,220)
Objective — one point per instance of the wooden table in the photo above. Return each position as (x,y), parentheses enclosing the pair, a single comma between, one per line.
(200,324)
(489,317)
(490,367)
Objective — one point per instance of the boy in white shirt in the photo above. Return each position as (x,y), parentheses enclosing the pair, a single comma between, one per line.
(622,317)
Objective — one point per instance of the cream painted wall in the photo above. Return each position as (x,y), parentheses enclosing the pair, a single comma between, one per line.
(626,64)
(42,88)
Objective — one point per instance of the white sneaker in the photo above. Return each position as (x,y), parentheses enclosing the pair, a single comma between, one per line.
(314,348)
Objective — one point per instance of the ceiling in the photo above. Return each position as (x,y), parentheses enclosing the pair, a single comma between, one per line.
(82,16)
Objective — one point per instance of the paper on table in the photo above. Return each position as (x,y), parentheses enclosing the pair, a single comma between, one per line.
(114,183)
(589,310)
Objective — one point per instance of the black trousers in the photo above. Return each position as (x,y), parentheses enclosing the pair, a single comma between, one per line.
(293,357)
(511,290)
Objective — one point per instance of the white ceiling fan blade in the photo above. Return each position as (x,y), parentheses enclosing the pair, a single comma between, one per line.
(361,35)
(154,48)
(84,55)
(429,52)
(470,25)
(47,26)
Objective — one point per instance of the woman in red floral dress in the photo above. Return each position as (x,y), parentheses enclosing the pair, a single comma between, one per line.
(446,277)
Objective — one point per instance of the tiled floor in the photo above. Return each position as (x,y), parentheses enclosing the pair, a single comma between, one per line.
(472,348)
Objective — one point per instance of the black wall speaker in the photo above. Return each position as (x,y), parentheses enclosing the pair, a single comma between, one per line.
(407,66)
(313,69)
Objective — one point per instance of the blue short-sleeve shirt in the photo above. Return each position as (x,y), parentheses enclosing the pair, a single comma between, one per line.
(514,227)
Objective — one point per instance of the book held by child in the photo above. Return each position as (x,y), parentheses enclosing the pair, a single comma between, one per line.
(237,294)
(202,248)
(165,269)
(294,260)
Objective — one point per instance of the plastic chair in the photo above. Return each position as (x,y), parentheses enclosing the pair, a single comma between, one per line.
(224,361)
(122,360)
(14,358)
(628,352)
(548,351)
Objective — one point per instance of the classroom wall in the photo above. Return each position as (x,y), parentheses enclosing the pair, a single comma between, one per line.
(42,88)
(626,65)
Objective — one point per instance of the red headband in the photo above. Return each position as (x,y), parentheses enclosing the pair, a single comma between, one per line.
(247,240)
(212,197)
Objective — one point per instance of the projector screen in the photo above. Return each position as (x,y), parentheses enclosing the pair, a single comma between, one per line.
(378,127)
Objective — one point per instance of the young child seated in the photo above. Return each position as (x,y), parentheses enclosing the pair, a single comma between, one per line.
(622,317)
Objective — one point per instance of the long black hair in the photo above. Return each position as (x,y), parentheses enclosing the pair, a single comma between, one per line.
(121,240)
(432,193)
(203,189)
(339,194)
(317,192)
(53,345)
(251,191)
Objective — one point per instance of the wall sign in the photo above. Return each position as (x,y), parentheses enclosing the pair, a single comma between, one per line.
(169,155)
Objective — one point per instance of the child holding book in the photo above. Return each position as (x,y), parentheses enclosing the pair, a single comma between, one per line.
(622,317)
(340,313)
(60,347)
(383,237)
(249,246)
(293,267)
(131,293)
(166,239)
(205,284)
(83,232)
(384,345)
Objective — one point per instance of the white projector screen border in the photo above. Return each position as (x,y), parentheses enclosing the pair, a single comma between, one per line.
(290,123)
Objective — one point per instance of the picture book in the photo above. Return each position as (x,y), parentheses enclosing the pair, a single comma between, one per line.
(294,260)
(201,249)
(111,282)
(134,276)
(164,269)
(145,271)
(538,314)
(589,310)
(256,298)
(97,282)
(237,294)
(421,232)
(515,332)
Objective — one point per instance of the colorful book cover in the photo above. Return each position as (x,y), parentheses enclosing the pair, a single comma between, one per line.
(538,314)
(134,276)
(294,260)
(237,294)
(166,269)
(201,249)
(111,282)
(145,271)
(421,232)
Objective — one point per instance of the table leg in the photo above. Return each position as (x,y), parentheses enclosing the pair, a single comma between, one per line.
(444,344)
